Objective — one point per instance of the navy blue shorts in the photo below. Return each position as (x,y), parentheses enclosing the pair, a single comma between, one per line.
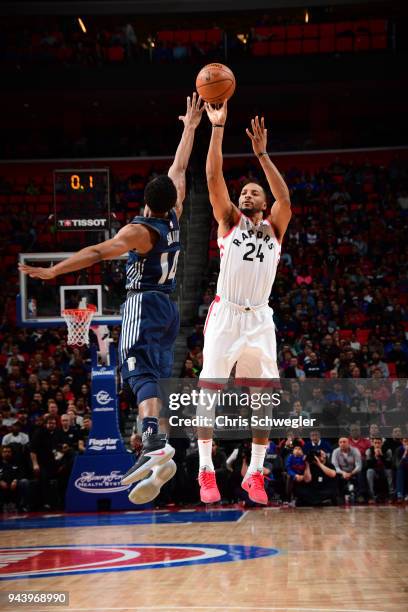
(150,325)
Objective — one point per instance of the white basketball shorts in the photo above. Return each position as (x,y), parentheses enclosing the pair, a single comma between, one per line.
(242,335)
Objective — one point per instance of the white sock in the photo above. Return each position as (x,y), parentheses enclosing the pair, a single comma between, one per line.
(205,454)
(257,458)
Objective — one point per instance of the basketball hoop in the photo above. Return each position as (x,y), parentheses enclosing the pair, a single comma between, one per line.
(78,321)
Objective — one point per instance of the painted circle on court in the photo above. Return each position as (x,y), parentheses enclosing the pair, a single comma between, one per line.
(46,561)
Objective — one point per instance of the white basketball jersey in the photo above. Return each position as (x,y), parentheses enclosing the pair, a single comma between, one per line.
(249,260)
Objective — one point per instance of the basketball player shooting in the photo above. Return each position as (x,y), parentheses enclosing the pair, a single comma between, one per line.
(150,319)
(239,327)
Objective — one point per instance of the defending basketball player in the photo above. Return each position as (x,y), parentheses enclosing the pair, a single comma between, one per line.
(150,319)
(239,327)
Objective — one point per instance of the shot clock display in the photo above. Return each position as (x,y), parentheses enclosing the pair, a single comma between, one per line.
(81,199)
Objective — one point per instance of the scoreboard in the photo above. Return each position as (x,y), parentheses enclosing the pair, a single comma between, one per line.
(82,199)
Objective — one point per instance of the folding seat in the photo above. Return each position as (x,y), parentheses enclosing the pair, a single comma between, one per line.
(344,43)
(378,26)
(260,48)
(165,36)
(326,30)
(294,32)
(310,30)
(182,37)
(362,335)
(362,42)
(198,36)
(116,54)
(277,48)
(345,27)
(262,33)
(379,41)
(294,47)
(278,33)
(326,45)
(214,35)
(345,334)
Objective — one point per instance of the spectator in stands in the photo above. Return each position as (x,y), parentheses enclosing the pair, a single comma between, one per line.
(357,441)
(188,370)
(322,487)
(347,463)
(379,469)
(15,358)
(14,485)
(402,470)
(313,368)
(84,433)
(376,364)
(16,436)
(45,443)
(297,470)
(394,442)
(317,443)
(69,433)
(316,404)
(298,411)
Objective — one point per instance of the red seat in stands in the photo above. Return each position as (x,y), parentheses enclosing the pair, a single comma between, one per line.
(326,45)
(260,48)
(262,33)
(344,43)
(362,42)
(214,35)
(310,45)
(379,41)
(198,36)
(165,36)
(294,47)
(278,33)
(310,30)
(294,31)
(362,335)
(182,37)
(116,54)
(277,48)
(326,30)
(392,368)
(345,334)
(378,26)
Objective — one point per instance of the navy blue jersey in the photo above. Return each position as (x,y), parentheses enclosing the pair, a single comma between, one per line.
(156,271)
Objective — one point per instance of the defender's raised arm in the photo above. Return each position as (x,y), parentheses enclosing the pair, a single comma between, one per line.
(177,171)
(129,237)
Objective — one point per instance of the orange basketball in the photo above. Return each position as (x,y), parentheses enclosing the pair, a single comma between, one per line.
(215,83)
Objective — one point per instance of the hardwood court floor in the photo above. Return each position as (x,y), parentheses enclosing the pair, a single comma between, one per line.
(331,559)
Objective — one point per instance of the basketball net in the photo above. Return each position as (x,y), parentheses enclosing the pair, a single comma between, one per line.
(78,321)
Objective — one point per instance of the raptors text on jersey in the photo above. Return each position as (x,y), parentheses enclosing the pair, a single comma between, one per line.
(249,260)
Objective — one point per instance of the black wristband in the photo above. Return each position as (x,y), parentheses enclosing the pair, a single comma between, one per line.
(262,153)
(218,125)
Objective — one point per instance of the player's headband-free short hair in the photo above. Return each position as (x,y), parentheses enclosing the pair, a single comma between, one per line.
(160,194)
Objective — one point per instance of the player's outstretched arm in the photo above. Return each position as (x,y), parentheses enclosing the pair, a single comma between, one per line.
(129,237)
(177,171)
(225,212)
(281,210)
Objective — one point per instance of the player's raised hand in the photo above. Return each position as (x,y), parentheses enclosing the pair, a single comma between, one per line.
(217,116)
(258,136)
(35,272)
(194,111)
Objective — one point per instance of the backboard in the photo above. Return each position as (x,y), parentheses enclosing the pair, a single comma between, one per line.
(40,302)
